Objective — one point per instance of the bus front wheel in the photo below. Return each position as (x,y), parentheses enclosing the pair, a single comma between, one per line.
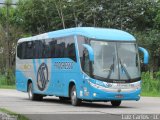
(73,94)
(116,103)
(33,96)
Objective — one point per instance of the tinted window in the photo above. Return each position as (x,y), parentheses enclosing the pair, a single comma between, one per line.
(21,50)
(46,48)
(52,45)
(29,50)
(65,48)
(37,51)
(82,52)
(49,48)
(60,48)
(70,51)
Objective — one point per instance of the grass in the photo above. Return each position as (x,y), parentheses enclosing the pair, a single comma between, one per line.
(6,83)
(7,87)
(19,117)
(150,85)
(150,94)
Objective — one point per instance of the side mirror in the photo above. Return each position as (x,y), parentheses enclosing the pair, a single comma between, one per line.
(90,51)
(146,55)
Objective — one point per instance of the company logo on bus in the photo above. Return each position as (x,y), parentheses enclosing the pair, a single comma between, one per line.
(63,65)
(42,77)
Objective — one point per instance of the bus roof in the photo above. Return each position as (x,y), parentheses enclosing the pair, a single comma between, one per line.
(90,32)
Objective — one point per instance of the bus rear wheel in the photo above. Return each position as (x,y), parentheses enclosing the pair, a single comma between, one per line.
(73,94)
(116,103)
(33,96)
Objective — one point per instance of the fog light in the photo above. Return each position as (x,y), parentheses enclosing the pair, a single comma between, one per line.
(94,94)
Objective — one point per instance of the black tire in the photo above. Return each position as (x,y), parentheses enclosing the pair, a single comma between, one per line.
(73,95)
(64,98)
(116,103)
(33,96)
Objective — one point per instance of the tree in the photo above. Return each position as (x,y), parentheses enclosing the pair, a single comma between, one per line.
(9,33)
(140,17)
(157,18)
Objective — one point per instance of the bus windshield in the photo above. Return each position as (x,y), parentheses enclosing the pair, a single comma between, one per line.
(115,60)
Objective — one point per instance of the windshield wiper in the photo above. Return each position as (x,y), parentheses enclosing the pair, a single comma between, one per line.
(124,68)
(111,68)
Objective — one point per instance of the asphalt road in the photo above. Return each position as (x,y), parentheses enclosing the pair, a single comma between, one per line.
(51,107)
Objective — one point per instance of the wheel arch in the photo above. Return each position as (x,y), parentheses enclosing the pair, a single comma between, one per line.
(71,84)
(28,82)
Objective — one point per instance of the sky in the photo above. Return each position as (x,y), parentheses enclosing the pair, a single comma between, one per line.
(2,1)
(14,1)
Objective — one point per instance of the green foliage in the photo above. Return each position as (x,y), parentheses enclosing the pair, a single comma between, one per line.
(10,32)
(37,16)
(157,18)
(150,85)
(8,79)
(150,41)
(47,15)
(7,87)
(12,17)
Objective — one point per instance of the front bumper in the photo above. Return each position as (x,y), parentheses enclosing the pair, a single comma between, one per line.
(99,95)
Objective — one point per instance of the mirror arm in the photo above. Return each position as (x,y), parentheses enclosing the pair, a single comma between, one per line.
(146,54)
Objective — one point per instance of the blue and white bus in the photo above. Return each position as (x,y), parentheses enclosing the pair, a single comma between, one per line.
(80,64)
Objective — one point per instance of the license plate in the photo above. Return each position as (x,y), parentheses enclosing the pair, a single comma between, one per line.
(123,86)
(119,96)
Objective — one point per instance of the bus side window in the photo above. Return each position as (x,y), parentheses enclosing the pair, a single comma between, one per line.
(20,51)
(59,48)
(71,51)
(57,51)
(85,62)
(29,53)
(62,49)
(46,49)
(41,49)
(36,49)
(83,53)
(25,50)
(53,47)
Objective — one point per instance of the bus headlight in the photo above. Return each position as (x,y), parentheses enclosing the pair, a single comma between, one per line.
(94,94)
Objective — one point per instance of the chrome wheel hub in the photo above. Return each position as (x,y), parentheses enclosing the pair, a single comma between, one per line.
(74,96)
